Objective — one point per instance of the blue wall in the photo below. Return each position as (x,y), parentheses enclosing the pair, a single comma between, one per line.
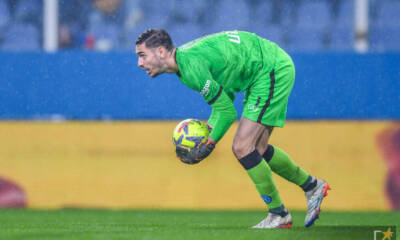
(79,85)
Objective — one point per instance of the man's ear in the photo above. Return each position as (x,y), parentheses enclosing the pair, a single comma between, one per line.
(162,51)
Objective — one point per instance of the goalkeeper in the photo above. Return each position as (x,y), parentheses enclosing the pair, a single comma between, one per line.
(219,65)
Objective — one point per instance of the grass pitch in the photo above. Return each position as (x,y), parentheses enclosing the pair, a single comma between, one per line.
(183,224)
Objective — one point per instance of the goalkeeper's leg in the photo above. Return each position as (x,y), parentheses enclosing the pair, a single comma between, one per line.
(244,148)
(280,163)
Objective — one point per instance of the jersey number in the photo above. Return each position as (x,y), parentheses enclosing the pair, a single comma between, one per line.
(233,36)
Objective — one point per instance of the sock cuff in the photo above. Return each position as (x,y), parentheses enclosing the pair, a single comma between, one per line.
(281,210)
(269,153)
(251,160)
(309,184)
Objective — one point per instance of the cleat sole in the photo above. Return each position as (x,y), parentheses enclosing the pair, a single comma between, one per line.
(286,226)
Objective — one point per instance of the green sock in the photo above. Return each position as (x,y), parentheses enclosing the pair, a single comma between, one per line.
(261,175)
(283,165)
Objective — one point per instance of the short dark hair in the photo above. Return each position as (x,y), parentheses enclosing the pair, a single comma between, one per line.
(154,38)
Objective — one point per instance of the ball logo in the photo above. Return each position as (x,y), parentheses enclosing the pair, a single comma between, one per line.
(185,127)
(178,141)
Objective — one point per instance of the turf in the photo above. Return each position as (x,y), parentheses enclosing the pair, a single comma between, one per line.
(182,224)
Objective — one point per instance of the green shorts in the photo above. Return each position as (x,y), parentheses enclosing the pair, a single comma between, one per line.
(266,100)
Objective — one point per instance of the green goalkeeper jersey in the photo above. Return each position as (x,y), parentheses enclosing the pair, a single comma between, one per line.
(221,64)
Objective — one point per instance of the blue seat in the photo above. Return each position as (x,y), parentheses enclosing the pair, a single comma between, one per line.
(313,14)
(183,11)
(260,13)
(384,32)
(341,39)
(231,15)
(184,33)
(20,37)
(305,39)
(107,35)
(154,13)
(4,15)
(28,11)
(272,32)
(385,38)
(107,29)
(341,30)
(389,13)
(308,26)
(345,18)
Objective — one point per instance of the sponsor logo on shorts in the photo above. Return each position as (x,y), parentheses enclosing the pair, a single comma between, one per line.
(252,107)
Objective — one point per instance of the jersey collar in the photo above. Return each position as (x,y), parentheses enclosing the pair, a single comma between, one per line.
(178,73)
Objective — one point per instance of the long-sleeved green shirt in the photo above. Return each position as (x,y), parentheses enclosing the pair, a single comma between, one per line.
(221,64)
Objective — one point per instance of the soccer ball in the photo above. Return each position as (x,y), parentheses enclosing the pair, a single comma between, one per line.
(190,133)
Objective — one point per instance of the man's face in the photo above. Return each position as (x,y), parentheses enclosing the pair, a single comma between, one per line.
(149,59)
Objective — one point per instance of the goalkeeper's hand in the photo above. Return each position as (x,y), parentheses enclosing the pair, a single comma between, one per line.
(195,155)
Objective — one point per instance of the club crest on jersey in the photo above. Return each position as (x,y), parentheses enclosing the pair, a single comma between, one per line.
(206,89)
(267,199)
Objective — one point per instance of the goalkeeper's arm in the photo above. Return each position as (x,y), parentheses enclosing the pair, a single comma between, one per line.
(222,116)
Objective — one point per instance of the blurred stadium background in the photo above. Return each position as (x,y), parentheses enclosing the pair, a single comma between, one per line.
(82,126)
